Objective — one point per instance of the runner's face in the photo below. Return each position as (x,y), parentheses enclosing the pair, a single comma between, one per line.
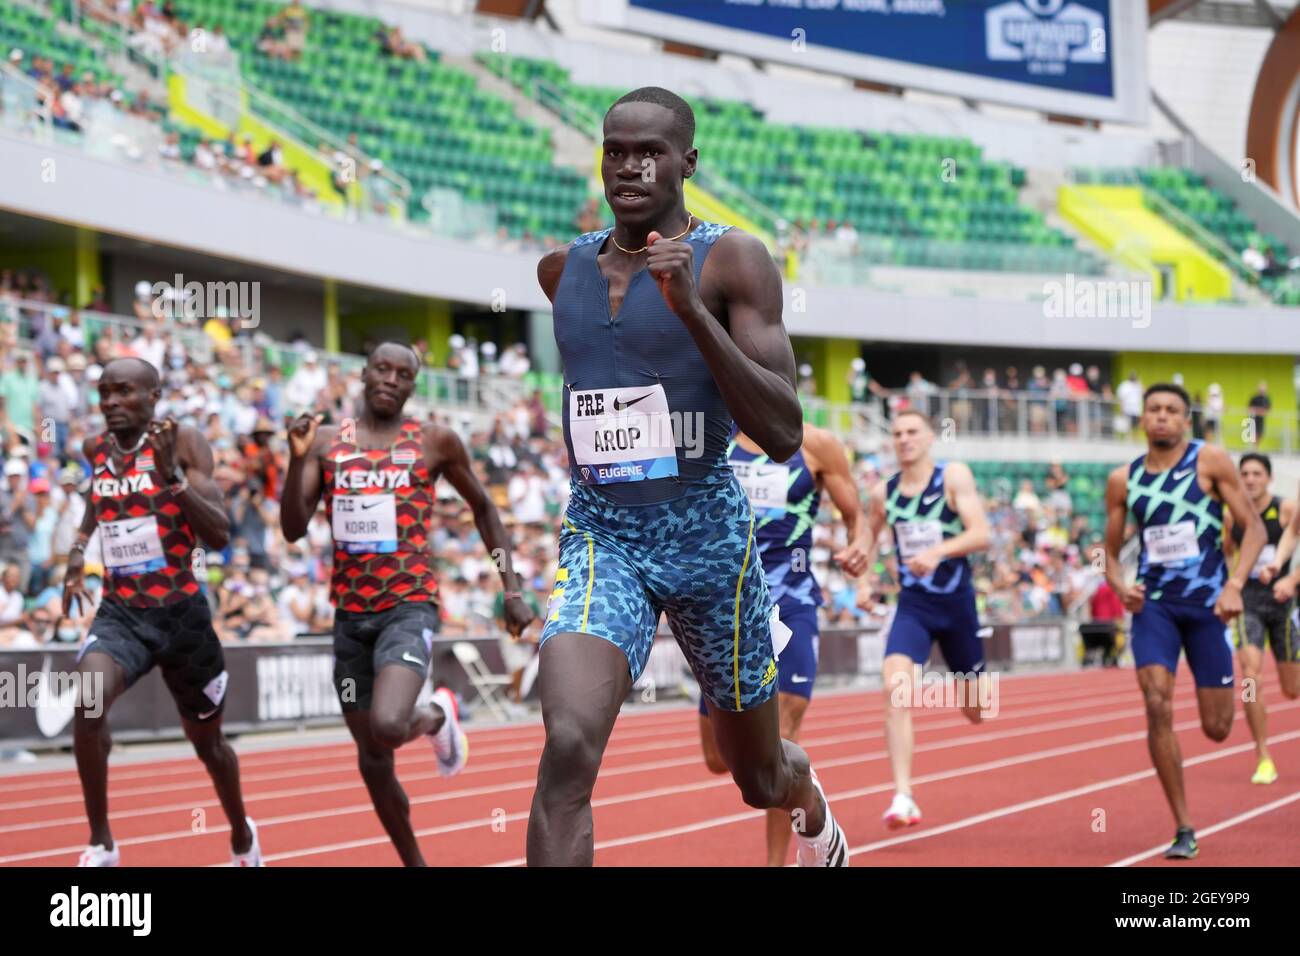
(912,439)
(1254,479)
(126,404)
(642,166)
(1164,419)
(389,379)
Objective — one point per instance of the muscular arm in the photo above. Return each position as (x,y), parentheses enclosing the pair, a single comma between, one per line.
(302,487)
(447,457)
(1286,546)
(201,502)
(965,499)
(754,365)
(1116,519)
(832,464)
(875,522)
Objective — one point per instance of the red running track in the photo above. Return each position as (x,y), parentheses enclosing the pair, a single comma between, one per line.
(1060,776)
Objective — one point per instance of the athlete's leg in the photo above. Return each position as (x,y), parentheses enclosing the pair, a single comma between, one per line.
(222,764)
(1209,657)
(1290,677)
(712,759)
(1286,652)
(963,651)
(394,717)
(770,772)
(1252,659)
(584,681)
(377,766)
(899,673)
(1157,684)
(92,741)
(792,708)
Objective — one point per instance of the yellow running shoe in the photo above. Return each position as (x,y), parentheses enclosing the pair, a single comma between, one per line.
(1266,772)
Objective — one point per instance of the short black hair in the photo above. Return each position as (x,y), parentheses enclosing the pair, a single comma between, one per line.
(1168,387)
(1256,456)
(401,345)
(683,116)
(150,375)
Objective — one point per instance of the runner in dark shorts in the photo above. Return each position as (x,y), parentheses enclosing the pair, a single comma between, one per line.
(377,476)
(1268,607)
(153,500)
(1184,597)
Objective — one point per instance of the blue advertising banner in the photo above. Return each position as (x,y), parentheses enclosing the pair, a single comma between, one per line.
(1062,44)
(1070,57)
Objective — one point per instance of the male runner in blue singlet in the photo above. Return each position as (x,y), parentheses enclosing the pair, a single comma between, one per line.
(665,326)
(1180,602)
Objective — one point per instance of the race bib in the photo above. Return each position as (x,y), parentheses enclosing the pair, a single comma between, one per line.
(764,485)
(917,536)
(365,523)
(1171,543)
(132,546)
(1265,558)
(622,434)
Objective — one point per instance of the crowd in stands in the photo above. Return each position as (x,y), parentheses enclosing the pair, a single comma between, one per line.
(264,588)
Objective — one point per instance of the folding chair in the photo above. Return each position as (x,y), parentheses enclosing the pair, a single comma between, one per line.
(485,682)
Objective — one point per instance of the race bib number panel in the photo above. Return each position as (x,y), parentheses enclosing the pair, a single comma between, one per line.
(132,546)
(1171,543)
(622,434)
(764,485)
(365,523)
(917,536)
(1265,558)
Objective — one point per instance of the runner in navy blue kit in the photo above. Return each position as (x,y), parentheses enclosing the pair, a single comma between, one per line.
(1180,602)
(667,327)
(785,497)
(937,519)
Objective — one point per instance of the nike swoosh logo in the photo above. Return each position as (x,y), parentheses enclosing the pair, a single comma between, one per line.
(620,405)
(1226,680)
(1180,475)
(135,529)
(208,714)
(932,499)
(53,712)
(413,660)
(765,474)
(367,507)
(796,679)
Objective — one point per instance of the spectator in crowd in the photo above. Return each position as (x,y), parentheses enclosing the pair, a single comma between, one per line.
(1214,412)
(1259,407)
(305,385)
(1129,394)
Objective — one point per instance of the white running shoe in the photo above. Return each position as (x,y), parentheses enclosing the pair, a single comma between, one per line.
(97,856)
(254,855)
(828,848)
(903,812)
(450,745)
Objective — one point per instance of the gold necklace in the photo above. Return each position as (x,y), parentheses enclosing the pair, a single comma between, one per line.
(689,219)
